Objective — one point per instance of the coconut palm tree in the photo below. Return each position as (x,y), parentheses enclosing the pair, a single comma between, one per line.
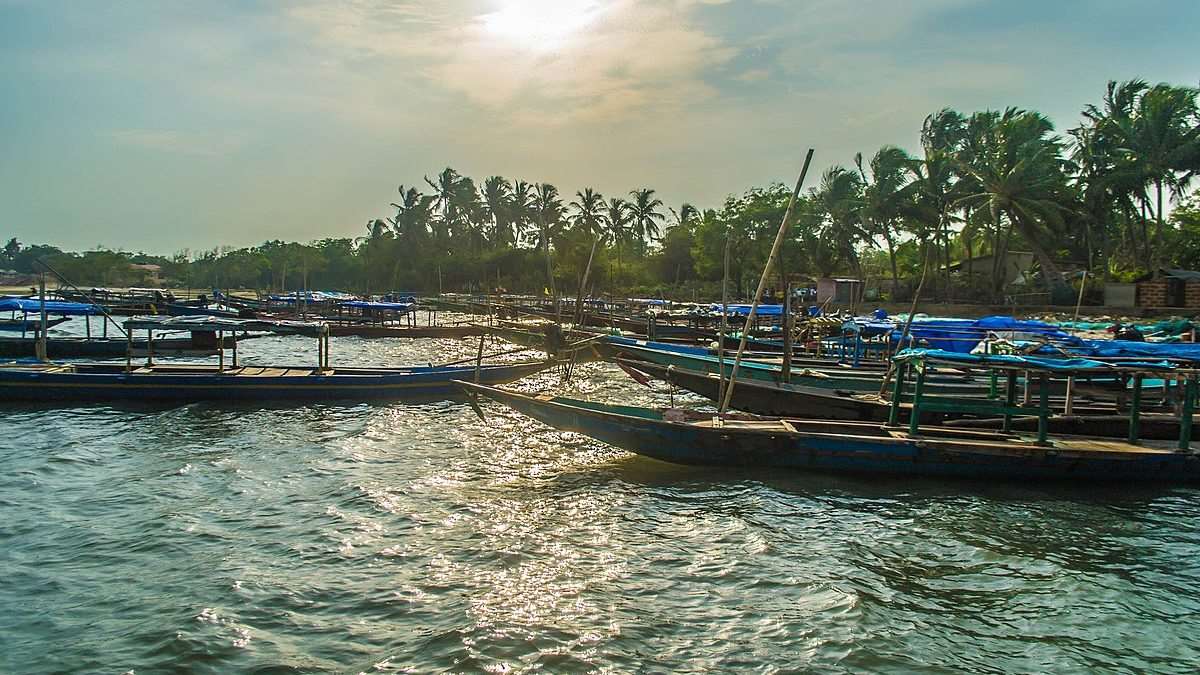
(445,193)
(496,196)
(521,204)
(411,221)
(885,198)
(1157,126)
(1015,171)
(548,210)
(840,197)
(617,220)
(589,211)
(646,217)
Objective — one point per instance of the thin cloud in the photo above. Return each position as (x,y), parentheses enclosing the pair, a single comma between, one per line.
(176,142)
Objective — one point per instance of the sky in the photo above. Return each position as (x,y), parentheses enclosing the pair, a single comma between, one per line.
(164,125)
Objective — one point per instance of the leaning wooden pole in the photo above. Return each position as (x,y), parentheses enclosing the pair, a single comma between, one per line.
(721,332)
(587,271)
(762,281)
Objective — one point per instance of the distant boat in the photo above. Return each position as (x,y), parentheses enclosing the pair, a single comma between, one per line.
(29,325)
(182,383)
(852,447)
(175,382)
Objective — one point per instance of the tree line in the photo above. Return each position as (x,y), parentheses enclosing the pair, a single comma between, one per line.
(1097,198)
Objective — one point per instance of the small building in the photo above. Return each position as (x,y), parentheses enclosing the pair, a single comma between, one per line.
(839,291)
(1014,267)
(151,274)
(1170,288)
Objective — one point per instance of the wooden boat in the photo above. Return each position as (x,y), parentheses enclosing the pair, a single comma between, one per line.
(117,348)
(854,447)
(29,325)
(780,399)
(385,331)
(171,382)
(179,383)
(848,379)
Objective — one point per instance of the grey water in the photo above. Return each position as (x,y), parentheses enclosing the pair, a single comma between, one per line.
(418,538)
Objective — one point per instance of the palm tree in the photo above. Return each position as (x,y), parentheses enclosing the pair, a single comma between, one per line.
(497,197)
(840,198)
(645,217)
(522,205)
(588,216)
(1016,172)
(885,198)
(617,220)
(445,192)
(412,215)
(548,208)
(943,135)
(1157,127)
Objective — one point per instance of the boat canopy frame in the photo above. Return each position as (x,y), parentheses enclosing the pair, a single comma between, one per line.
(915,361)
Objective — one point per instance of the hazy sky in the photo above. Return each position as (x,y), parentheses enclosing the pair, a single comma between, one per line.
(159,125)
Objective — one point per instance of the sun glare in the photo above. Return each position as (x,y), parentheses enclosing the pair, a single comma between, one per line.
(540,24)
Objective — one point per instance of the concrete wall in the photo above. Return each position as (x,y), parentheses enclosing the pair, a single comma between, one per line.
(1120,295)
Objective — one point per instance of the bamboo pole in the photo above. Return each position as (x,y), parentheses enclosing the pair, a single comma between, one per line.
(724,325)
(587,270)
(41,344)
(762,281)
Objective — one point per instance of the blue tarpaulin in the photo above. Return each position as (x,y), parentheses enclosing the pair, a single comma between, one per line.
(744,310)
(955,335)
(52,307)
(1115,348)
(1026,362)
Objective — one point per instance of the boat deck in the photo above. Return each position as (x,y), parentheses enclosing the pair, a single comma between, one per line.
(973,438)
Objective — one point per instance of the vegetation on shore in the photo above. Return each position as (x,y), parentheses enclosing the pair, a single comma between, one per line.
(1097,198)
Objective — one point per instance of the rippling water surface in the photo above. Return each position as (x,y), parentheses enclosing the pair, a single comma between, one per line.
(393,537)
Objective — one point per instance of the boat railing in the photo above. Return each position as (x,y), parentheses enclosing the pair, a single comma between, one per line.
(914,363)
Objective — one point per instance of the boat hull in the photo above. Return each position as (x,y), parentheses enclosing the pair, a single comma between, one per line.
(848,448)
(184,384)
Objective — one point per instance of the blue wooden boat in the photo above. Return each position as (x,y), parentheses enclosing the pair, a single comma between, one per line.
(180,383)
(855,447)
(29,325)
(185,383)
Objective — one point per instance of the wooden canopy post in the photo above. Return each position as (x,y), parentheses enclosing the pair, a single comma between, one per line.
(1135,412)
(1010,398)
(1185,416)
(221,345)
(1043,408)
(897,394)
(149,347)
(914,416)
(41,344)
(220,352)
(787,335)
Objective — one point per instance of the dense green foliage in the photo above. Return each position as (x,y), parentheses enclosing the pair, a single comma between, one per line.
(982,185)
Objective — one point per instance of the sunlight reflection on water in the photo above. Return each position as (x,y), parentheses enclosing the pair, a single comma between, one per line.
(349,537)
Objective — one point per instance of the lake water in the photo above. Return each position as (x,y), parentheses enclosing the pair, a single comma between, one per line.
(392,537)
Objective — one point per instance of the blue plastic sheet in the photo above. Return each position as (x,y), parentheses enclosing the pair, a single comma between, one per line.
(1026,362)
(52,307)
